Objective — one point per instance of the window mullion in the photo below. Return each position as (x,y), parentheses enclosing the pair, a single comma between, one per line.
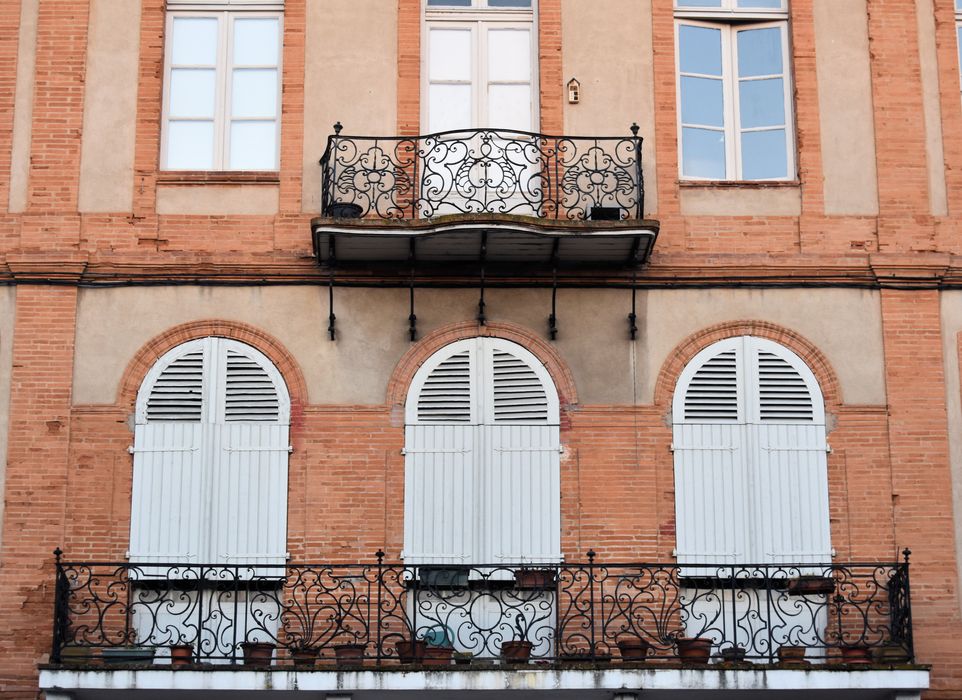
(733,168)
(225,74)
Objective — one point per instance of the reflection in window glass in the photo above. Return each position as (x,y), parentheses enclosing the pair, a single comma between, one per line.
(703,153)
(760,52)
(700,49)
(764,155)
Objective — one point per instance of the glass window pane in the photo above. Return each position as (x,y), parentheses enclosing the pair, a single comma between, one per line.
(192,92)
(253,146)
(450,54)
(254,93)
(190,145)
(698,3)
(702,101)
(509,3)
(760,52)
(509,107)
(761,103)
(256,41)
(450,3)
(449,107)
(703,153)
(194,41)
(700,49)
(775,4)
(509,54)
(763,155)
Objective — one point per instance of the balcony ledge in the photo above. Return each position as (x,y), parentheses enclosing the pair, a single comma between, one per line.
(586,680)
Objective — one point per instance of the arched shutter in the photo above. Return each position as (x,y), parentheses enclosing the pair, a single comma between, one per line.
(750,463)
(482,469)
(210,458)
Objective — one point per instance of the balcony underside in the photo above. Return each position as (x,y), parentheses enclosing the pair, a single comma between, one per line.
(462,242)
(570,684)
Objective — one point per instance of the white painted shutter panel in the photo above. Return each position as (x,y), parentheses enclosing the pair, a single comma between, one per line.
(250,445)
(521,477)
(168,509)
(790,458)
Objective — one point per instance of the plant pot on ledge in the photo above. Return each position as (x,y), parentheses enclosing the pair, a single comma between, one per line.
(856,654)
(811,585)
(516,652)
(181,655)
(304,657)
(694,650)
(793,656)
(258,653)
(535,579)
(438,656)
(633,648)
(411,651)
(349,654)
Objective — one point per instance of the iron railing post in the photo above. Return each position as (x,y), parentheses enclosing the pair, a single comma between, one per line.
(380,592)
(591,600)
(639,174)
(909,640)
(59,608)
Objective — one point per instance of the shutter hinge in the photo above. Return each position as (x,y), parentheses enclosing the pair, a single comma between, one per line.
(287,449)
(433,452)
(135,450)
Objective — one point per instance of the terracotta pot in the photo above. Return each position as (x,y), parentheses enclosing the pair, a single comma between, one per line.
(811,585)
(537,579)
(695,650)
(791,655)
(891,654)
(411,652)
(633,649)
(859,654)
(349,654)
(181,655)
(516,652)
(438,656)
(258,653)
(304,657)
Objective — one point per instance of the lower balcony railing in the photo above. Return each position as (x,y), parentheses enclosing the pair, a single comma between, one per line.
(386,614)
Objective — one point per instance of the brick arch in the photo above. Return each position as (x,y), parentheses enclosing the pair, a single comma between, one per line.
(683,353)
(154,349)
(415,357)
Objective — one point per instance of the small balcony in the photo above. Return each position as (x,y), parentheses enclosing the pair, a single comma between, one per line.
(455,200)
(395,617)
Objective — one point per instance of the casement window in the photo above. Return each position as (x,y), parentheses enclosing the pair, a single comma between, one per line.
(479,65)
(210,458)
(734,90)
(749,445)
(482,458)
(222,85)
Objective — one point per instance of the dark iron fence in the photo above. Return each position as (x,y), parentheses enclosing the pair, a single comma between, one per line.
(477,171)
(591,612)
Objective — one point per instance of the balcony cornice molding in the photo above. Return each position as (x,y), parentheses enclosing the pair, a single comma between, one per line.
(47,267)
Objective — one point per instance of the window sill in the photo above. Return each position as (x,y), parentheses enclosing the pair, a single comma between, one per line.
(739,184)
(218,177)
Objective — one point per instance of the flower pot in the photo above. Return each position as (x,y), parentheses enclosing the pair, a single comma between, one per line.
(181,655)
(791,655)
(516,652)
(118,656)
(633,649)
(536,579)
(78,656)
(891,654)
(857,654)
(304,657)
(811,585)
(733,655)
(438,656)
(694,650)
(346,210)
(349,654)
(411,652)
(258,653)
(463,658)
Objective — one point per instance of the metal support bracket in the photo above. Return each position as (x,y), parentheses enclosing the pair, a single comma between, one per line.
(412,318)
(633,316)
(553,318)
(482,318)
(331,318)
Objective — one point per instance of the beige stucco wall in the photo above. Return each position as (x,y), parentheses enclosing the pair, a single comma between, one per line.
(608,49)
(951,328)
(8,304)
(931,107)
(351,77)
(739,201)
(23,107)
(217,199)
(110,107)
(845,107)
(114,324)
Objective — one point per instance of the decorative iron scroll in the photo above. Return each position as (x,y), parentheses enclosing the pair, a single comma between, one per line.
(568,612)
(480,171)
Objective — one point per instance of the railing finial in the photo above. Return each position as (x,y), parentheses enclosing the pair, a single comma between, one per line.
(591,555)
(635,128)
(906,553)
(57,553)
(337,128)
(380,555)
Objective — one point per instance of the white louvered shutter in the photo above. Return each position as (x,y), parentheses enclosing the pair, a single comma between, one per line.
(210,458)
(168,512)
(249,459)
(750,469)
(482,472)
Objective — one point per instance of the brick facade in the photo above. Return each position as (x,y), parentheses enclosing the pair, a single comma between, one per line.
(68,473)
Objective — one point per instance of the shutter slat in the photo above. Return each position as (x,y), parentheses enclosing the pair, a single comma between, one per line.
(250,394)
(519,395)
(712,394)
(783,393)
(446,394)
(177,394)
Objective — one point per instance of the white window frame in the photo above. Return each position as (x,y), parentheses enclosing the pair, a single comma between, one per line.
(225,14)
(480,19)
(958,35)
(730,20)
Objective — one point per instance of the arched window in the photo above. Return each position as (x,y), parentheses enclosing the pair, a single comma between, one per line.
(210,458)
(482,458)
(749,444)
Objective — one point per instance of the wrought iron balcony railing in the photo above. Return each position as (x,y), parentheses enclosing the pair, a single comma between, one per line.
(387,614)
(483,171)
